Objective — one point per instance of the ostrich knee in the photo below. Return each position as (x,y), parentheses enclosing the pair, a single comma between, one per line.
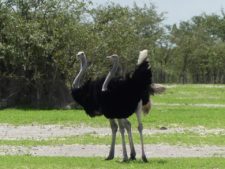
(140,128)
(114,128)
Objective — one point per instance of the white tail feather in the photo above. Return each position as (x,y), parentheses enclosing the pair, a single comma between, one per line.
(142,56)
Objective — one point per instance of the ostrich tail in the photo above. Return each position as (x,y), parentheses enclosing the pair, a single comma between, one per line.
(143,55)
(143,79)
(142,74)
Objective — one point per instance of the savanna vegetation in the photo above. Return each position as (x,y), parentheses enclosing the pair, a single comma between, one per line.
(39,41)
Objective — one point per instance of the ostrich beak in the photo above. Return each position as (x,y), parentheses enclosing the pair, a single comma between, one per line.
(112,57)
(108,57)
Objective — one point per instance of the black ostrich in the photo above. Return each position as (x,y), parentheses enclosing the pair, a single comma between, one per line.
(87,94)
(120,98)
(117,98)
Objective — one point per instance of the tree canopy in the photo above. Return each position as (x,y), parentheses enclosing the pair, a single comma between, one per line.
(39,41)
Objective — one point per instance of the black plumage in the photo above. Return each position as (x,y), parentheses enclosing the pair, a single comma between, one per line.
(121,100)
(88,96)
(116,98)
(123,95)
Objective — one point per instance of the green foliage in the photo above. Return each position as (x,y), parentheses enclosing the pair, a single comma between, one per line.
(199,49)
(39,41)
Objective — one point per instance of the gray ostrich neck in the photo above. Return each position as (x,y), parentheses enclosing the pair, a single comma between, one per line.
(110,75)
(83,67)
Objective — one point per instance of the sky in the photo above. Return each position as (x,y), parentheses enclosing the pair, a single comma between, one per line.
(176,10)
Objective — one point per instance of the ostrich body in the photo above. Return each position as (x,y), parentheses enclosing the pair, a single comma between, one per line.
(87,95)
(120,98)
(117,98)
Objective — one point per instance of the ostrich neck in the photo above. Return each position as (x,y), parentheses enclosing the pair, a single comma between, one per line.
(110,75)
(83,67)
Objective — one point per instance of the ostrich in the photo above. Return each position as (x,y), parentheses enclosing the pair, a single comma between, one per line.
(91,94)
(120,98)
(87,94)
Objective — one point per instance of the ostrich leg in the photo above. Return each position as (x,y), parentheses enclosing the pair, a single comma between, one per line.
(122,131)
(130,137)
(114,128)
(140,128)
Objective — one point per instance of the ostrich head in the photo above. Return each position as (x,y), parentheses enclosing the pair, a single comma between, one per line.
(83,59)
(83,66)
(115,60)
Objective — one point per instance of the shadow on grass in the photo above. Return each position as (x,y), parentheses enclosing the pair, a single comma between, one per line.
(141,162)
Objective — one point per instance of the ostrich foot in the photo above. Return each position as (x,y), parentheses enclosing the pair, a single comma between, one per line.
(125,159)
(144,159)
(133,156)
(110,157)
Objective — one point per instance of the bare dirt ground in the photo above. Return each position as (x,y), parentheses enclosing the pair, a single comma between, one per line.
(37,132)
(9,132)
(102,151)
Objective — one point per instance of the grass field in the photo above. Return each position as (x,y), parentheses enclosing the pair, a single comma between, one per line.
(184,106)
(24,162)
(193,94)
(181,105)
(183,116)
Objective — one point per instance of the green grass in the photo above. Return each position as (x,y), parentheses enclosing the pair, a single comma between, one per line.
(161,115)
(187,139)
(64,117)
(28,162)
(193,94)
(184,116)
